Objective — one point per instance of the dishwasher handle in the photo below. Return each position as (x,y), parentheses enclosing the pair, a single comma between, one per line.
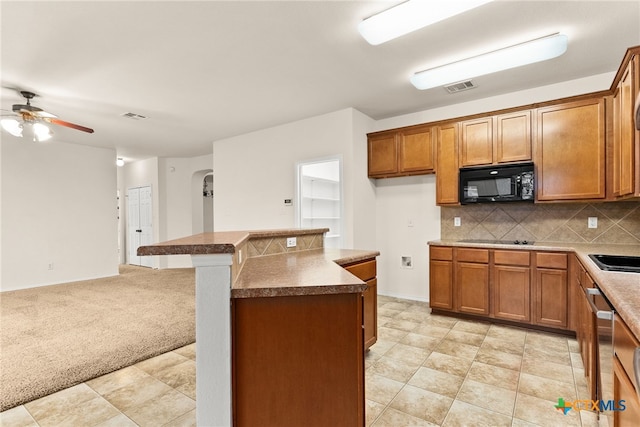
(600,314)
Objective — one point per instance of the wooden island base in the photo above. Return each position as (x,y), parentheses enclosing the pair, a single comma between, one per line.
(297,361)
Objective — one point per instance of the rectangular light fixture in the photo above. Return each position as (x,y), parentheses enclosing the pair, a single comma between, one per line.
(411,16)
(536,50)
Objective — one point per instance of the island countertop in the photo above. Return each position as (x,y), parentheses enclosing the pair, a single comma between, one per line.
(315,271)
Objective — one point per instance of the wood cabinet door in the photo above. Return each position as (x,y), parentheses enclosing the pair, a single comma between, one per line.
(623,390)
(447,165)
(476,142)
(370,298)
(441,284)
(416,150)
(570,151)
(472,282)
(625,136)
(513,137)
(550,298)
(298,361)
(382,154)
(511,293)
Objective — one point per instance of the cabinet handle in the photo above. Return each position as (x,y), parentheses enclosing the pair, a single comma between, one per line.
(600,314)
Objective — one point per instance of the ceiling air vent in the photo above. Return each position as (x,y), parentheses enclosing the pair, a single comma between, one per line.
(134,116)
(460,86)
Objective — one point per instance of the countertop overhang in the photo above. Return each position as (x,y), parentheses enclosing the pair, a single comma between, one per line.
(219,242)
(304,272)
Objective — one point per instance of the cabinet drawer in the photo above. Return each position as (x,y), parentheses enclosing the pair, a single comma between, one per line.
(472,255)
(441,253)
(363,270)
(624,345)
(551,260)
(512,257)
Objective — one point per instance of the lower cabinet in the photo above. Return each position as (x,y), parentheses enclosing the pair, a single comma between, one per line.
(472,280)
(511,286)
(298,361)
(551,290)
(441,277)
(366,271)
(624,382)
(523,286)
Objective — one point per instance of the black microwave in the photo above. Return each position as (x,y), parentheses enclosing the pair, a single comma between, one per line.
(500,183)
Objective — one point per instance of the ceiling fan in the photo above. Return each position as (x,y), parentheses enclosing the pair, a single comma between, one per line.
(34,121)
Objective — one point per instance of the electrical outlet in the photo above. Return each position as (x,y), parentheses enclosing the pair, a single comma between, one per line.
(239,256)
(592,222)
(456,221)
(291,242)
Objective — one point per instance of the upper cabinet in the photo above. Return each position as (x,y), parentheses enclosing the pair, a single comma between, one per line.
(570,151)
(383,154)
(585,148)
(403,152)
(476,142)
(447,164)
(513,137)
(625,167)
(497,139)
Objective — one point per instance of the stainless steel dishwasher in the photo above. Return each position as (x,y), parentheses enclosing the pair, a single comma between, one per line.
(603,311)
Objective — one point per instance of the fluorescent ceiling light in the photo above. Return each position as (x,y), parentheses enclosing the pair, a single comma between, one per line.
(525,53)
(411,16)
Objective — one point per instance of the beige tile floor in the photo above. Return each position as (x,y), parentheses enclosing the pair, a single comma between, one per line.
(425,370)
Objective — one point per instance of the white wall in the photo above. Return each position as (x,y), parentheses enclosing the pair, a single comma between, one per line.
(407,219)
(58,209)
(255,172)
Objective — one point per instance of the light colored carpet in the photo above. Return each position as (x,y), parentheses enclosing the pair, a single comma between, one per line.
(57,336)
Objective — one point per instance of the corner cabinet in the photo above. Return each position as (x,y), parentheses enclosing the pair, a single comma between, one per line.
(570,151)
(400,153)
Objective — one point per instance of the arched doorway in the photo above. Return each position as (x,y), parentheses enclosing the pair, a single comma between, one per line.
(201,206)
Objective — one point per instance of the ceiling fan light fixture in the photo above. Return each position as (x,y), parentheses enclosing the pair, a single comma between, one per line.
(41,132)
(12,126)
(535,50)
(411,16)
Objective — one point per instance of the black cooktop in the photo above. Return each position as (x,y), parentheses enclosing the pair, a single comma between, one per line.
(499,242)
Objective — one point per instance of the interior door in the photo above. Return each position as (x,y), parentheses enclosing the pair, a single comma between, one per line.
(139,224)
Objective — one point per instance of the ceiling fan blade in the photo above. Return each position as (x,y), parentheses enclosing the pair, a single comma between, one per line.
(67,124)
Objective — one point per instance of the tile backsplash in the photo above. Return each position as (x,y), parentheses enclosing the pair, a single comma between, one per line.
(618,222)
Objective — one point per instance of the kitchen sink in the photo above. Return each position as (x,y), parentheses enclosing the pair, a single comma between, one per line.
(630,264)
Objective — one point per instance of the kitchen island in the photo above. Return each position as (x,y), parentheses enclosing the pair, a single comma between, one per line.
(279,328)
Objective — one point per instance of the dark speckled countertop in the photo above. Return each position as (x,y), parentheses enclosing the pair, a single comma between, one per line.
(621,289)
(307,272)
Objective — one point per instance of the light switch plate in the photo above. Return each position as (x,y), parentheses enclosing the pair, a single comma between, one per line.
(456,221)
(592,222)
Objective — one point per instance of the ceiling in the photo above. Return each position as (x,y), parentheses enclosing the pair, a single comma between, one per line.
(205,70)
